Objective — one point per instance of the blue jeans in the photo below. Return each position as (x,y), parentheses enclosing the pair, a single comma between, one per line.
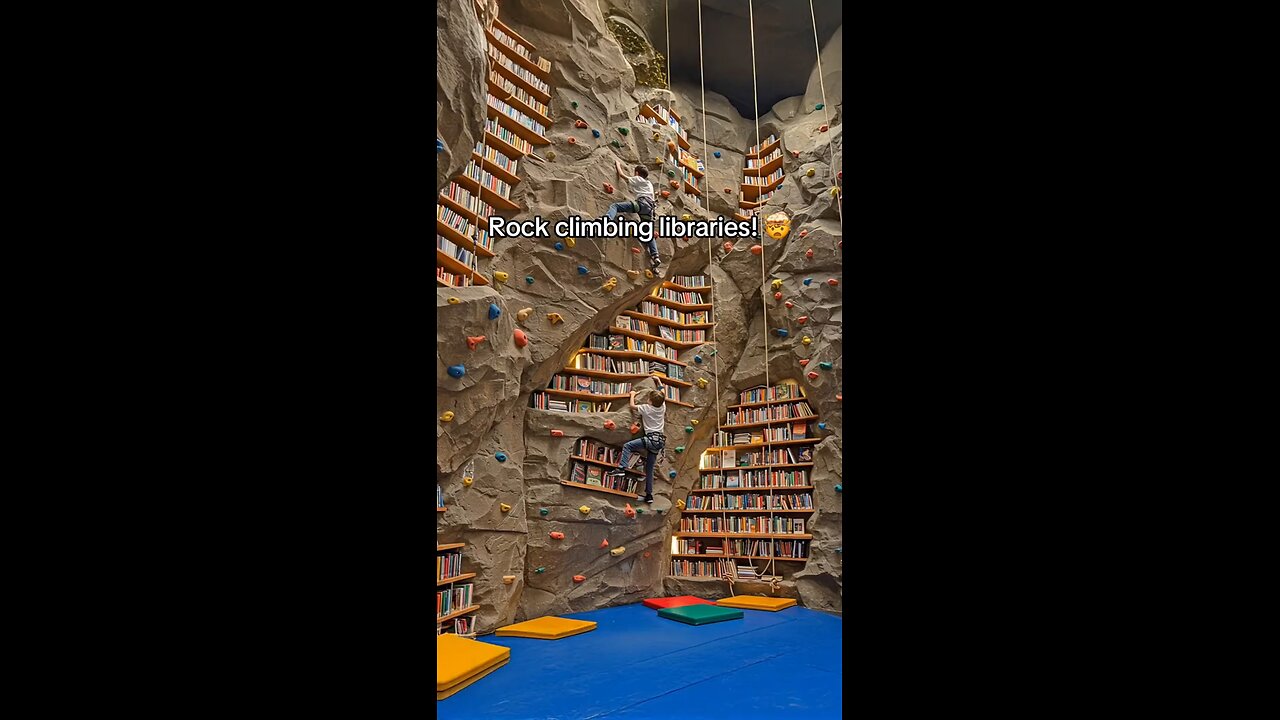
(651,459)
(626,206)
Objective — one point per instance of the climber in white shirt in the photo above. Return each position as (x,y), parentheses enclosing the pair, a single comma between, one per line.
(644,206)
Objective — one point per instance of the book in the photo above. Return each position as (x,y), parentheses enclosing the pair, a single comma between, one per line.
(593,475)
(617,342)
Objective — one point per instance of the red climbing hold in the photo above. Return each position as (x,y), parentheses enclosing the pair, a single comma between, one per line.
(728,247)
(635,250)
(802,319)
(833,282)
(608,188)
(809,253)
(609,425)
(675,184)
(666,193)
(521,338)
(813,375)
(580,124)
(647,553)
(804,233)
(557,536)
(573,141)
(789,304)
(839,397)
(635,428)
(579,578)
(473,341)
(557,433)
(777,296)
(728,190)
(822,129)
(795,153)
(757,249)
(630,511)
(804,361)
(604,543)
(840,175)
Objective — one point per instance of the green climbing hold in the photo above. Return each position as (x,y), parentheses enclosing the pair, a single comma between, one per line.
(659,511)
(712,353)
(819,106)
(574,104)
(688,428)
(679,448)
(824,365)
(544,511)
(639,511)
(839,488)
(671,173)
(540,570)
(615,144)
(624,131)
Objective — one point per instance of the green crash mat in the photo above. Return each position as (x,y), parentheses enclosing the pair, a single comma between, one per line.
(700,614)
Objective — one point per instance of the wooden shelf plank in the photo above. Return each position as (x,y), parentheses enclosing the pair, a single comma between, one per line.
(744,512)
(765,536)
(767,402)
(691,166)
(686,307)
(461,240)
(584,395)
(614,330)
(495,169)
(681,403)
(674,286)
(457,578)
(514,126)
(707,491)
(768,147)
(705,556)
(489,197)
(451,264)
(456,614)
(765,423)
(601,463)
(690,189)
(755,467)
(765,169)
(757,190)
(774,443)
(632,355)
(503,146)
(669,323)
(440,509)
(625,376)
(599,488)
(475,218)
(449,546)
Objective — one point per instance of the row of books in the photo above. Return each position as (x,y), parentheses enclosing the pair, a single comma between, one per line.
(463,225)
(746,524)
(788,431)
(625,342)
(750,501)
(762,393)
(487,181)
(488,152)
(672,371)
(543,401)
(533,80)
(672,392)
(778,456)
(764,143)
(666,313)
(681,335)
(593,449)
(512,43)
(789,411)
(761,478)
(750,548)
(465,625)
(579,383)
(753,163)
(439,496)
(692,160)
(506,135)
(453,279)
(691,280)
(689,177)
(518,92)
(682,567)
(762,179)
(452,599)
(461,196)
(687,298)
(452,250)
(585,474)
(448,565)
(670,119)
(514,114)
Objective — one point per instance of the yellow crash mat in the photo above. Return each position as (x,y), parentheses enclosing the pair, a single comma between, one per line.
(461,661)
(547,628)
(751,602)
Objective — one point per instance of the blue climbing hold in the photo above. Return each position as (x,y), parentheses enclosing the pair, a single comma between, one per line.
(839,488)
(808,281)
(559,246)
(819,106)
(697,359)
(822,426)
(528,279)
(501,456)
(457,371)
(782,332)
(439,145)
(494,311)
(595,133)
(839,551)
(716,153)
(672,474)
(582,269)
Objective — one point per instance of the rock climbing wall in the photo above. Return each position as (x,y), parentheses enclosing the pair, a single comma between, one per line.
(507,446)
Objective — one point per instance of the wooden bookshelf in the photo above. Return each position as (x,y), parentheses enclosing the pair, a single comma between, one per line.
(746,536)
(685,307)
(449,546)
(682,288)
(605,375)
(757,467)
(766,402)
(448,583)
(453,265)
(765,169)
(470,214)
(602,463)
(515,126)
(768,148)
(757,190)
(752,511)
(495,169)
(461,240)
(533,66)
(455,579)
(631,355)
(765,423)
(753,489)
(767,443)
(678,345)
(600,488)
(456,614)
(504,94)
(691,165)
(749,204)
(717,556)
(503,146)
(664,321)
(490,197)
(534,90)
(515,35)
(578,395)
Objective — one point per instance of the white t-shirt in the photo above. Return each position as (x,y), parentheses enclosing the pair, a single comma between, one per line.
(641,187)
(653,419)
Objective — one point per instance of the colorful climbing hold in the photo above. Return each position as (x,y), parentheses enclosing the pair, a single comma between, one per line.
(508,579)
(686,217)
(466,481)
(807,281)
(635,428)
(802,319)
(615,143)
(559,246)
(582,270)
(795,153)
(809,253)
(839,488)
(608,188)
(584,510)
(447,416)
(501,456)
(835,191)
(639,511)
(604,543)
(439,145)
(624,131)
(680,504)
(494,311)
(728,190)
(501,276)
(804,362)
(595,133)
(679,448)
(635,250)
(825,365)
(813,375)
(671,173)
(819,106)
(574,104)
(557,433)
(672,474)
(457,371)
(777,296)
(579,578)
(554,318)
(666,193)
(806,339)
(551,155)
(693,422)
(688,428)
(580,123)
(776,284)
(716,153)
(697,359)
(781,332)
(805,233)
(609,425)
(573,140)
(822,129)
(808,173)
(555,535)
(757,249)
(528,279)
(789,304)
(630,511)
(524,314)
(609,284)
(728,247)
(839,397)
(648,273)
(540,570)
(647,553)
(702,382)
(822,426)
(833,282)
(840,175)
(543,511)
(504,507)
(473,341)
(454,301)
(570,242)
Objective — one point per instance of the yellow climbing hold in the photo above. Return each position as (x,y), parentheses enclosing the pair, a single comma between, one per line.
(524,314)
(570,241)
(617,551)
(584,509)
(680,504)
(686,216)
(693,422)
(633,273)
(447,416)
(468,480)
(554,318)
(609,284)
(501,276)
(835,191)
(702,382)
(504,507)
(806,339)
(648,273)
(777,284)
(809,172)
(454,301)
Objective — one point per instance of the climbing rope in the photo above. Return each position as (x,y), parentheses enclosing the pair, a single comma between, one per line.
(485,22)
(826,120)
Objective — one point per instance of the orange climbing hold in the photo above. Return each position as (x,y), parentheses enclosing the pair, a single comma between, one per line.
(635,428)
(809,253)
(609,425)
(473,341)
(675,184)
(521,338)
(579,578)
(573,141)
(557,433)
(804,361)
(728,247)
(813,375)
(608,188)
(630,511)
(604,543)
(757,249)
(580,124)
(557,536)
(666,193)
(802,319)
(833,282)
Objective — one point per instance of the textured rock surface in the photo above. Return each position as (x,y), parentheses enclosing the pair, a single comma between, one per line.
(491,402)
(460,85)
